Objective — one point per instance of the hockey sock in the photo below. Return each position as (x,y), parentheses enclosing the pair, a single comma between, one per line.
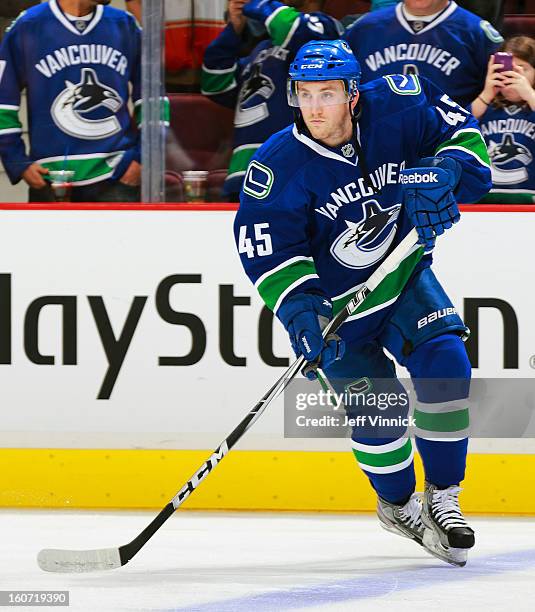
(389,466)
(441,373)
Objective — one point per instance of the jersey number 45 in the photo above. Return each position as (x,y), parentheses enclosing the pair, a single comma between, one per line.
(263,244)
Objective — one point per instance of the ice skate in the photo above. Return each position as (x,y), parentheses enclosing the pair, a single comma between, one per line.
(447,534)
(404,520)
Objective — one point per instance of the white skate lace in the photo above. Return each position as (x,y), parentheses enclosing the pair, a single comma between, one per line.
(445,507)
(411,512)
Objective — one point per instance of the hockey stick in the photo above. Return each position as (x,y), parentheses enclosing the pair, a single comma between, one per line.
(54,560)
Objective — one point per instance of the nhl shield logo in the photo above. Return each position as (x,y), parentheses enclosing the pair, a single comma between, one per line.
(348,150)
(366,242)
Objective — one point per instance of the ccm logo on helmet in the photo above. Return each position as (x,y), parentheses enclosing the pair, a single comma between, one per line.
(430,177)
(303,66)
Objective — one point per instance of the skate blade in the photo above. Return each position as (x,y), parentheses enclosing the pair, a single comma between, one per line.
(399,532)
(454,556)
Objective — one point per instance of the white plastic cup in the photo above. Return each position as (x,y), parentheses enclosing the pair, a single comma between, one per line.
(61,183)
(195,185)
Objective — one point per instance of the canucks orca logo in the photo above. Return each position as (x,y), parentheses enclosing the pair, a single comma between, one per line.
(507,152)
(257,84)
(364,243)
(71,107)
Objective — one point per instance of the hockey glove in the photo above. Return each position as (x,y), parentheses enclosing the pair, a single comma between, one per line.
(260,10)
(428,196)
(304,316)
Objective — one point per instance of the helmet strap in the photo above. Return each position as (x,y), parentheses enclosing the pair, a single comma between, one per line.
(300,122)
(361,161)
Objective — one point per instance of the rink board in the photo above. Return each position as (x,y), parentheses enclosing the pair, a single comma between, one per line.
(73,281)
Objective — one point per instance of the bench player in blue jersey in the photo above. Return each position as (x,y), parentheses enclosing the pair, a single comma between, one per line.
(255,85)
(433,38)
(79,63)
(323,203)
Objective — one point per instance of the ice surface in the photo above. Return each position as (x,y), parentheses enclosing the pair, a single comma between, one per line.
(258,562)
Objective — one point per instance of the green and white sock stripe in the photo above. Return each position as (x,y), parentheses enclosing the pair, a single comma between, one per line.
(385,458)
(218,81)
(9,119)
(241,156)
(282,24)
(274,286)
(470,141)
(88,169)
(442,421)
(165,111)
(387,291)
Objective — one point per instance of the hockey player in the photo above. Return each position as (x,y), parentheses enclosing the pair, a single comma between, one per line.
(506,112)
(434,38)
(323,203)
(256,85)
(76,59)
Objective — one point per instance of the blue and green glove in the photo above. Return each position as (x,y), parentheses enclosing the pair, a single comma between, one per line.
(304,316)
(428,196)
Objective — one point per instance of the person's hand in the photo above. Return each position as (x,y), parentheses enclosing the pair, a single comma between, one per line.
(260,10)
(33,176)
(427,194)
(304,316)
(516,81)
(236,16)
(494,81)
(132,176)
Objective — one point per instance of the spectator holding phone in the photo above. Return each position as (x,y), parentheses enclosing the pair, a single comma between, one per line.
(506,112)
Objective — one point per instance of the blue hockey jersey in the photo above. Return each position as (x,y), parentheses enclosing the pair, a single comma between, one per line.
(510,136)
(256,85)
(452,50)
(76,75)
(308,220)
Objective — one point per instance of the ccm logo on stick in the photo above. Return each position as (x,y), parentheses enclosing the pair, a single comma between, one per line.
(431,177)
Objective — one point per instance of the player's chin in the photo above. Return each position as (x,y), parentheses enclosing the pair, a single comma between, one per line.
(318,130)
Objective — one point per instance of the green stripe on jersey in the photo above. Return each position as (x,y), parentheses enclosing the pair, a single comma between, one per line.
(470,141)
(276,284)
(86,170)
(390,458)
(442,422)
(241,157)
(213,83)
(389,288)
(280,24)
(508,197)
(165,111)
(9,119)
